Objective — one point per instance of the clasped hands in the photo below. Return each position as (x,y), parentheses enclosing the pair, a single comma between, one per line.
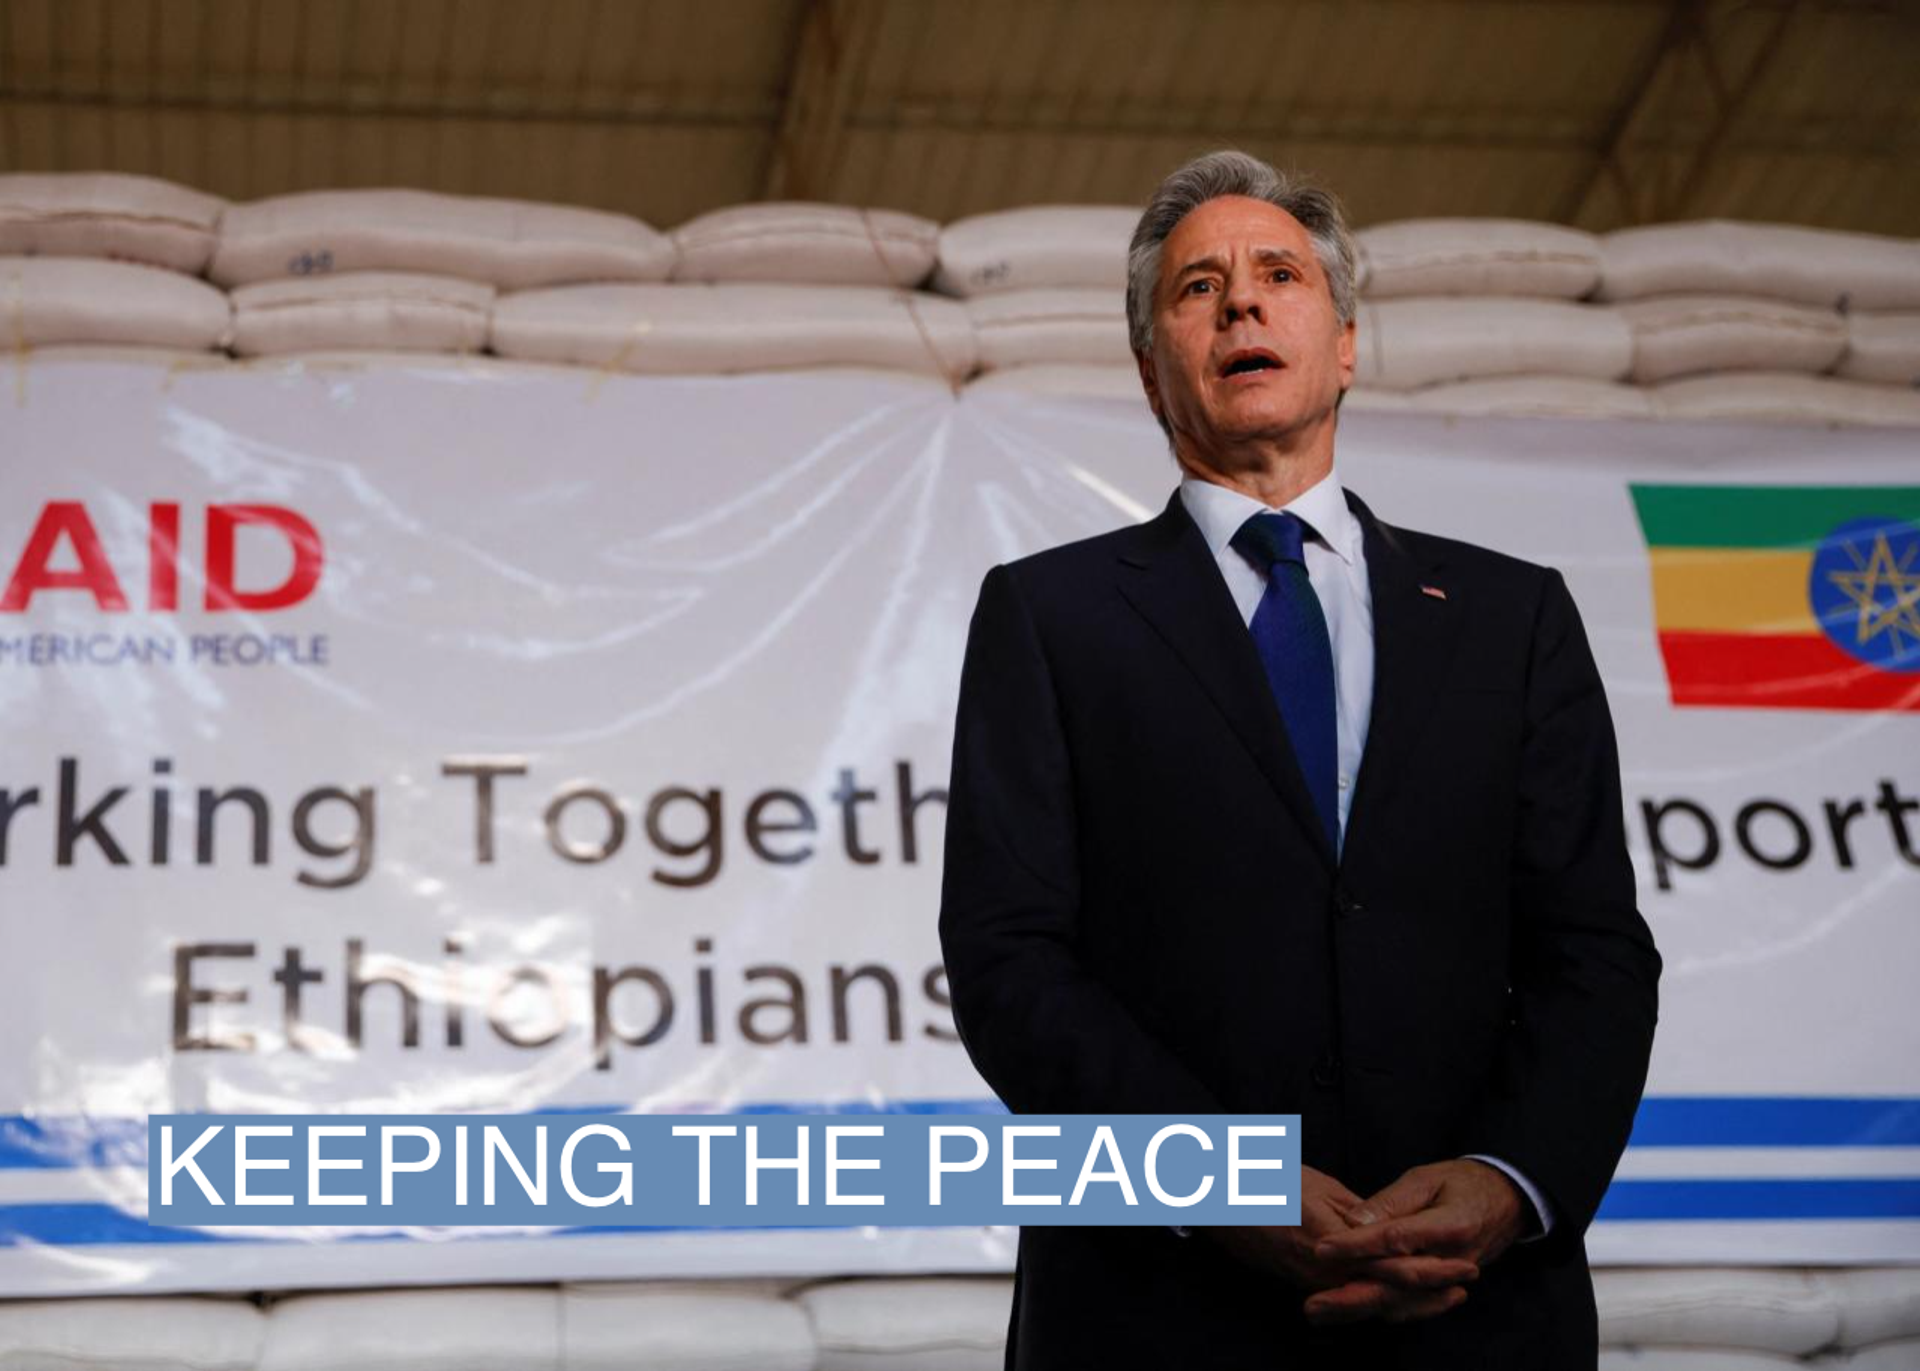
(1408,1252)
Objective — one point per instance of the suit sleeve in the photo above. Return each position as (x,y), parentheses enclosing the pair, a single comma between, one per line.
(1585,971)
(1044,1032)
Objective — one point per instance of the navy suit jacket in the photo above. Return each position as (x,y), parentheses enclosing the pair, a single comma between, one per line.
(1141,914)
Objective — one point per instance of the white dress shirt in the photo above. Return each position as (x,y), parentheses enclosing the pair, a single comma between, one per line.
(1336,558)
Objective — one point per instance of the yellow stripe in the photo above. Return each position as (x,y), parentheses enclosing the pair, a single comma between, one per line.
(1727,590)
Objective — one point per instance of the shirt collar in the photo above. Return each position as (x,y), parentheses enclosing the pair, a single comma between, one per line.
(1219,512)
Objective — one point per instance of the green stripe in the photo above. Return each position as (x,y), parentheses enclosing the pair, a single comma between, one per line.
(1763,516)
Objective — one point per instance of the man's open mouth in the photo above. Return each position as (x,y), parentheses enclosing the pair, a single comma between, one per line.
(1249,360)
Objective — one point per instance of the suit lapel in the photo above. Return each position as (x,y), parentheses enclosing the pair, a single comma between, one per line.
(1414,632)
(1168,574)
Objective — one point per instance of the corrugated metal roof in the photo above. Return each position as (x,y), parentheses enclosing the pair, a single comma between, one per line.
(1599,112)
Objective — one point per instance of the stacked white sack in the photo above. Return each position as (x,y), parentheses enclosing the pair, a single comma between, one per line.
(1822,267)
(108,214)
(910,1325)
(1778,1311)
(1019,328)
(184,1334)
(1876,1304)
(376,311)
(1883,348)
(1786,397)
(684,1326)
(511,244)
(1043,247)
(735,327)
(1406,344)
(1687,335)
(471,1329)
(1694,1359)
(46,301)
(1539,397)
(1416,257)
(807,244)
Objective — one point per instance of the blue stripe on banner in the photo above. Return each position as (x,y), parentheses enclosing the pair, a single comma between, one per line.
(1696,1200)
(1627,1201)
(84,1225)
(63,1142)
(66,1141)
(1775,1121)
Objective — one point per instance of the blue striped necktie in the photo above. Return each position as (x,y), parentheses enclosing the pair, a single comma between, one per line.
(1290,634)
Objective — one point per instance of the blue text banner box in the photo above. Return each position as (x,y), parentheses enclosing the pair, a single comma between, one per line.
(720,1170)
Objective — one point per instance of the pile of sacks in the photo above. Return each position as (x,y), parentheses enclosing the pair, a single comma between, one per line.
(1498,316)
(1469,316)
(1650,1320)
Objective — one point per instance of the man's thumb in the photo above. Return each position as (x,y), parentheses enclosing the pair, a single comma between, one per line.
(1408,1195)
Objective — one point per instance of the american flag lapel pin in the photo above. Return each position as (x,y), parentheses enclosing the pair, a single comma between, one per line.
(1434,591)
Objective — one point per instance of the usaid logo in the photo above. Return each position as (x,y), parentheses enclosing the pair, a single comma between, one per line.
(253,558)
(64,553)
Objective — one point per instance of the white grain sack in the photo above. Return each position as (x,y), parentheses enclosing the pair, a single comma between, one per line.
(1405,344)
(1775,1311)
(108,214)
(1554,397)
(1021,327)
(377,310)
(1777,261)
(807,244)
(186,1334)
(1693,1359)
(910,1325)
(1902,1354)
(1685,335)
(50,300)
(471,1329)
(512,244)
(1478,257)
(1026,249)
(1883,348)
(719,329)
(1786,397)
(1877,1304)
(641,1327)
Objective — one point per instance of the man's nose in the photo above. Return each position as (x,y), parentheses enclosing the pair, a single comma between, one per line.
(1239,300)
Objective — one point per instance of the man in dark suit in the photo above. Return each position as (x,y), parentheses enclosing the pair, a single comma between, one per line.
(1267,806)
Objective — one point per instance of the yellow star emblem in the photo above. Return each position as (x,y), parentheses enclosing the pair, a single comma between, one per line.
(1884,591)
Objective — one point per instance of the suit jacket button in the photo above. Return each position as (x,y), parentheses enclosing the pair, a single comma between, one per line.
(1344,904)
(1326,1072)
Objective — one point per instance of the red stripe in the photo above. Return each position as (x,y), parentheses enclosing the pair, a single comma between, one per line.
(1779,671)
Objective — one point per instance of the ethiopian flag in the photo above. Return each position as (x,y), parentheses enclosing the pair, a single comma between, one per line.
(1786,597)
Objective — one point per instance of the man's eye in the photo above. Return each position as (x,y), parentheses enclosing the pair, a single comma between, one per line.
(1195,287)
(1283,273)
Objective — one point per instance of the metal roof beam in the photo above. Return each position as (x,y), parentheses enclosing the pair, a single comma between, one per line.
(831,47)
(1607,164)
(1641,167)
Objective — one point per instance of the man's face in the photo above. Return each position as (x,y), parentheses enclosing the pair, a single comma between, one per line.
(1246,343)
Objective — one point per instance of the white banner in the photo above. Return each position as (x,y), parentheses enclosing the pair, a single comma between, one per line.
(474,738)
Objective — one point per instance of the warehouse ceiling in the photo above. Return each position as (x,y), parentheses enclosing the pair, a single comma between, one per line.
(1593,112)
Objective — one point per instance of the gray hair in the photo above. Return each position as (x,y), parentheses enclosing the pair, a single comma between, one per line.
(1230,172)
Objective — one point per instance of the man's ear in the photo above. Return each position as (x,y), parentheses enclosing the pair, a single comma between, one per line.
(1347,351)
(1149,382)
